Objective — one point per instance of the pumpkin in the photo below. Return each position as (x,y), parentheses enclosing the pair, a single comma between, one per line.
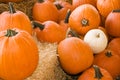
(44,11)
(11,0)
(74,55)
(49,31)
(106,6)
(109,60)
(19,54)
(114,44)
(96,39)
(77,3)
(84,18)
(112,24)
(95,73)
(62,7)
(15,19)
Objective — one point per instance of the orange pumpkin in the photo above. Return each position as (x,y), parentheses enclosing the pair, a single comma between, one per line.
(74,55)
(19,54)
(77,3)
(63,7)
(84,18)
(11,19)
(44,11)
(109,60)
(106,6)
(95,73)
(114,44)
(49,31)
(11,0)
(112,24)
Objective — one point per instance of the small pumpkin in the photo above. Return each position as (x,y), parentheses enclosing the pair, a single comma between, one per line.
(109,60)
(44,11)
(112,24)
(95,73)
(74,55)
(84,18)
(106,6)
(19,54)
(49,31)
(15,19)
(96,39)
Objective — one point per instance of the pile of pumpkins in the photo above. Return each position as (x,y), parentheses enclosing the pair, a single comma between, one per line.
(87,33)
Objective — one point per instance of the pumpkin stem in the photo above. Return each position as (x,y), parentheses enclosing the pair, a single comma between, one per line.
(67,16)
(85,22)
(11,8)
(71,33)
(58,6)
(108,53)
(98,73)
(117,10)
(10,33)
(98,35)
(36,24)
(40,1)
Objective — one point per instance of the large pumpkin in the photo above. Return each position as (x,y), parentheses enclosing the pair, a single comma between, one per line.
(45,10)
(84,18)
(106,6)
(112,24)
(75,55)
(15,19)
(18,54)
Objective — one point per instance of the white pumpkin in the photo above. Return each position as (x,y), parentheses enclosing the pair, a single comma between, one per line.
(96,39)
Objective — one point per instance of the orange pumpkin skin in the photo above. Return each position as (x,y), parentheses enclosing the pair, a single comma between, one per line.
(44,11)
(106,6)
(89,74)
(11,0)
(63,7)
(114,44)
(17,19)
(109,60)
(19,55)
(52,32)
(112,24)
(77,3)
(75,55)
(84,18)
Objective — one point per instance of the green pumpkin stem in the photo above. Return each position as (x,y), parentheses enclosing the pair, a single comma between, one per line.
(85,22)
(108,54)
(67,16)
(116,10)
(11,8)
(10,33)
(36,24)
(40,1)
(98,73)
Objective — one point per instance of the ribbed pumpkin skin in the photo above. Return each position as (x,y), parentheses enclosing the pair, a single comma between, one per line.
(86,14)
(10,0)
(74,55)
(15,20)
(18,55)
(106,6)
